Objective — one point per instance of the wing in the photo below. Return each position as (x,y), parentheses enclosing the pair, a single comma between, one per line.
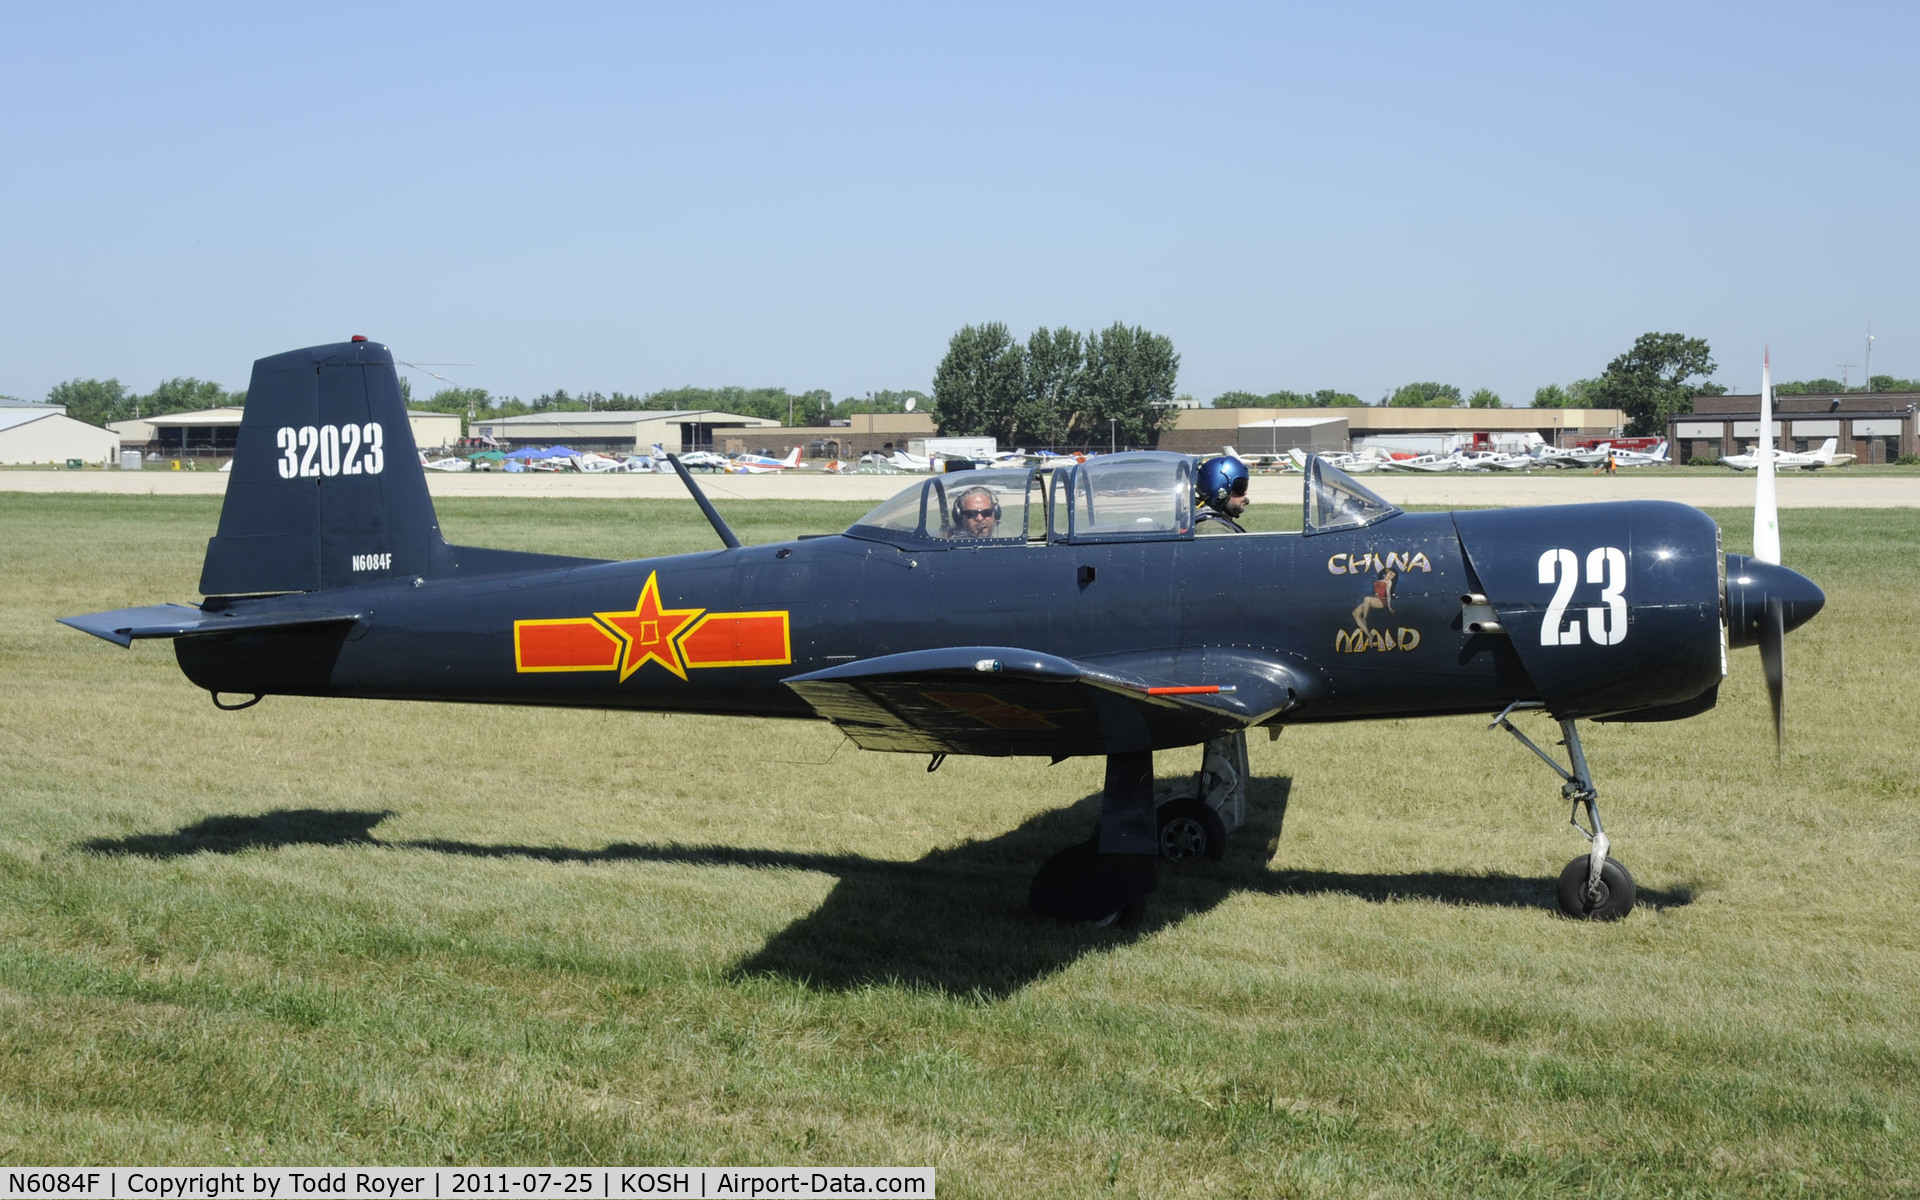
(1000,700)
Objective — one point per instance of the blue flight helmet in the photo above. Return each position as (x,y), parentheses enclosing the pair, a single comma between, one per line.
(1218,480)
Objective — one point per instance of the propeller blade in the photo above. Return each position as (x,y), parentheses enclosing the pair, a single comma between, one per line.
(1773,662)
(1766,507)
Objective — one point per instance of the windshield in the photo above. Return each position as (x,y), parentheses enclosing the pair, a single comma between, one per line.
(1335,501)
(1141,494)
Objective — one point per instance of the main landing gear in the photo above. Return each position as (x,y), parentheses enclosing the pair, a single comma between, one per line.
(1107,878)
(1593,887)
(1195,816)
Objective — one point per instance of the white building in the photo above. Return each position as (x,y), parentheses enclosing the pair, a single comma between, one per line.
(625,432)
(211,432)
(46,434)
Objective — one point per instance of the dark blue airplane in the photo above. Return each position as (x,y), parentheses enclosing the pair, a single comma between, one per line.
(1080,616)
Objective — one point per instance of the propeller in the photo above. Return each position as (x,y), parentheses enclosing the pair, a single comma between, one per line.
(1765,599)
(1766,547)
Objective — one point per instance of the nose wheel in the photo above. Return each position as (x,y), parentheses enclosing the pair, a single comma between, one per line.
(1593,887)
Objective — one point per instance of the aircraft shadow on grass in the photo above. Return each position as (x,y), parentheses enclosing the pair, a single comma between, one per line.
(954,920)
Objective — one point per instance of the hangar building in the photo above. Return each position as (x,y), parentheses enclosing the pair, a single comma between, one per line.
(1876,427)
(211,432)
(1275,431)
(626,432)
(44,433)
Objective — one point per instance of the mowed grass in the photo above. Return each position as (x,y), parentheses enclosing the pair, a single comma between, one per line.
(362,932)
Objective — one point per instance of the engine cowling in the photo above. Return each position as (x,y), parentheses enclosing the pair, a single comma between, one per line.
(1613,609)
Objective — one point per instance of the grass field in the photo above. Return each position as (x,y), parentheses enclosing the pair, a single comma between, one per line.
(356,932)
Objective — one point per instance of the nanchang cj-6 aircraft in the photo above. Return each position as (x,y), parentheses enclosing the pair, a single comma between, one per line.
(1088,621)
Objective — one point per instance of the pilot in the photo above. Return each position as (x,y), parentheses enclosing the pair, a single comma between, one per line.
(1220,489)
(976,513)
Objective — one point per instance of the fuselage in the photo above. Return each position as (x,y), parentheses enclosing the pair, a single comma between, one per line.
(1377,615)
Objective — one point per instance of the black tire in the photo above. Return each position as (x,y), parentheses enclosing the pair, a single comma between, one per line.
(1190,830)
(1617,892)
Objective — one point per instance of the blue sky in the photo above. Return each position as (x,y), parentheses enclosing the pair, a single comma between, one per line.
(626,197)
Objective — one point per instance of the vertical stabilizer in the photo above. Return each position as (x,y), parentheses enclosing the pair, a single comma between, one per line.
(326,487)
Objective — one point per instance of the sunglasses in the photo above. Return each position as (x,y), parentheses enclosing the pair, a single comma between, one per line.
(975,514)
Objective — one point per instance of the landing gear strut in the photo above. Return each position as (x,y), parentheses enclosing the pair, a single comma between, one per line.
(1593,887)
(1108,877)
(1196,815)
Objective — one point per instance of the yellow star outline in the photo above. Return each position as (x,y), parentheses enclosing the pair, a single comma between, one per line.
(648,632)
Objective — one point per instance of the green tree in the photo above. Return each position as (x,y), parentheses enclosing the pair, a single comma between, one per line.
(186,395)
(1655,380)
(883,401)
(1574,395)
(460,400)
(95,401)
(1054,370)
(980,383)
(1483,398)
(1131,375)
(1426,395)
(1324,398)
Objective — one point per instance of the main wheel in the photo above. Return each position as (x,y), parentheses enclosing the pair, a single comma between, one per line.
(1189,829)
(1616,896)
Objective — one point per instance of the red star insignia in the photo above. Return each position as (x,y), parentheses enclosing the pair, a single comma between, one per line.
(648,632)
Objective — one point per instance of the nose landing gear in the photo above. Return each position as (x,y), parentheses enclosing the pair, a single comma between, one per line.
(1593,887)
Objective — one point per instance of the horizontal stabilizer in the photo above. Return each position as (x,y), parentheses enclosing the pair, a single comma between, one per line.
(1002,700)
(122,625)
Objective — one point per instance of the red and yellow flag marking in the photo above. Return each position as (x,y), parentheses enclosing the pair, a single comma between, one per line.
(679,639)
(758,639)
(568,644)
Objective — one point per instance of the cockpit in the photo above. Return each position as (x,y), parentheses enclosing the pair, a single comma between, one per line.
(1138,496)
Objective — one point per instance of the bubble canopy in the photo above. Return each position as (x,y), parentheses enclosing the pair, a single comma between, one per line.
(1138,496)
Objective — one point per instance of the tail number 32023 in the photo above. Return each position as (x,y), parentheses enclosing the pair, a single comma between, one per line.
(313,451)
(1607,620)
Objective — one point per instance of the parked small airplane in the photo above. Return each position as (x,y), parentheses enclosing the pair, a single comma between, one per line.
(760,464)
(1352,464)
(1812,460)
(1656,457)
(1077,615)
(1266,462)
(696,460)
(1431,464)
